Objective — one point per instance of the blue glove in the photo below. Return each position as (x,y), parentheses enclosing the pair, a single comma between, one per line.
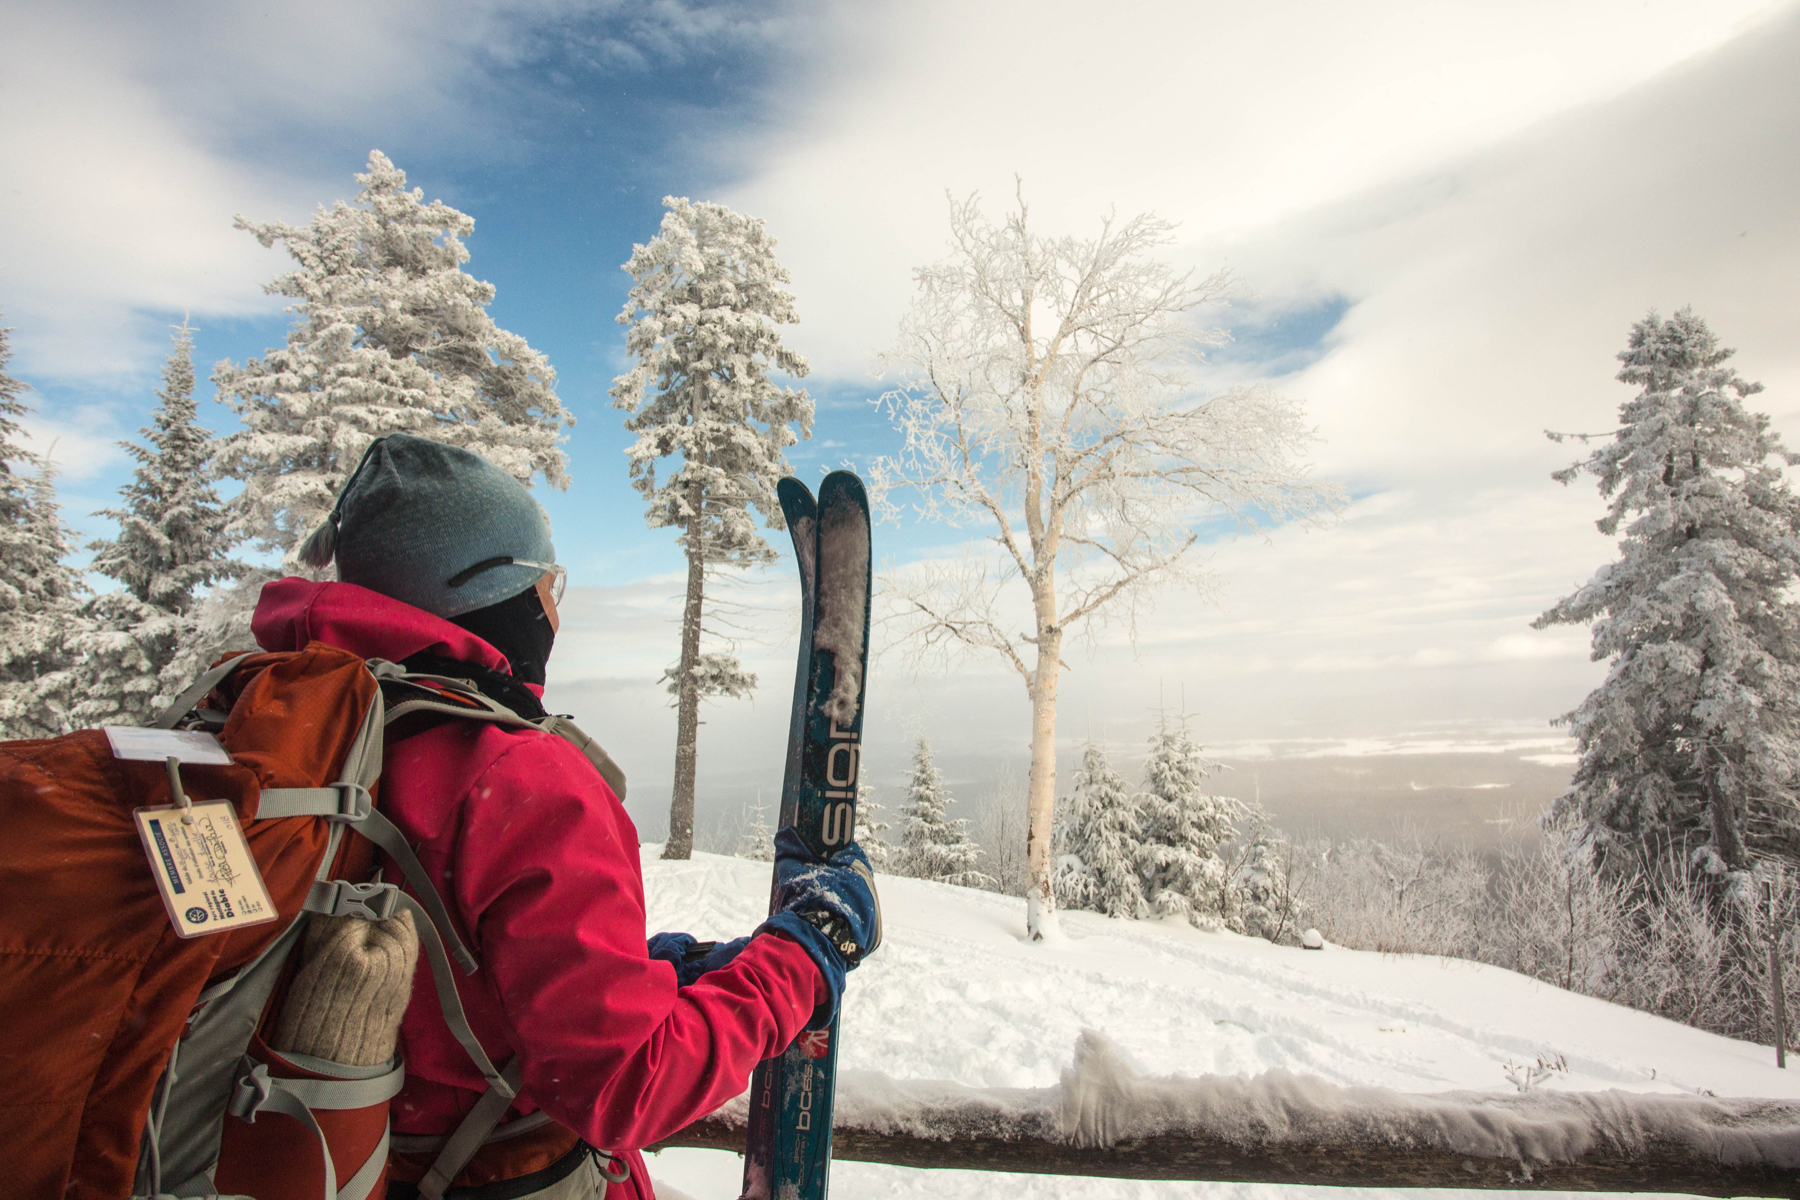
(692,959)
(829,906)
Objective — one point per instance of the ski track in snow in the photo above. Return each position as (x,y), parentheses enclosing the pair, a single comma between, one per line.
(955,993)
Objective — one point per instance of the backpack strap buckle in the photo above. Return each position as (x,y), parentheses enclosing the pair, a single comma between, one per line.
(341,898)
(251,1093)
(355,802)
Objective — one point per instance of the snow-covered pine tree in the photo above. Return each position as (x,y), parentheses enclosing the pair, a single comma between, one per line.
(41,632)
(704,316)
(1263,900)
(934,845)
(392,335)
(172,543)
(1099,854)
(15,459)
(38,591)
(1183,828)
(1691,747)
(757,841)
(870,827)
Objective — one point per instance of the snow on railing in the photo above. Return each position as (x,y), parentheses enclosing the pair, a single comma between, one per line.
(1105,1119)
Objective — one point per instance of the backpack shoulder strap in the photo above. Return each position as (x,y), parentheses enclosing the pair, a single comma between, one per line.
(447,696)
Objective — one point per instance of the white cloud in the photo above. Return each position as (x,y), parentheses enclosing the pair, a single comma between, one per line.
(1225,117)
(133,134)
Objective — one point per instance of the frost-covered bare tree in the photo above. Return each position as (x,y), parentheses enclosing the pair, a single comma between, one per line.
(391,335)
(1692,743)
(1045,389)
(705,313)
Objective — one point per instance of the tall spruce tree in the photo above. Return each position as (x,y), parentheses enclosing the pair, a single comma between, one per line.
(172,543)
(933,845)
(1098,842)
(391,335)
(705,313)
(1691,747)
(1183,828)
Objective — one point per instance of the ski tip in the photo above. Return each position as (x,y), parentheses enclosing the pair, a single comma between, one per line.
(796,498)
(841,483)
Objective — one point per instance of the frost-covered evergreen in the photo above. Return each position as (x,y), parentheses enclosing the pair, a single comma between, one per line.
(932,844)
(1183,828)
(705,313)
(1692,743)
(1263,900)
(172,543)
(40,633)
(39,593)
(391,335)
(870,827)
(757,841)
(15,460)
(1098,842)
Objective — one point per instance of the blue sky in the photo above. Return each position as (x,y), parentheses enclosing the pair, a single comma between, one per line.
(1449,216)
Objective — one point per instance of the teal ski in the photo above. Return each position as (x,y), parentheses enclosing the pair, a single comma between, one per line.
(789,1152)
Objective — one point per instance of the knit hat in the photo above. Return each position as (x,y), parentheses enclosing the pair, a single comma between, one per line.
(346,1001)
(434,526)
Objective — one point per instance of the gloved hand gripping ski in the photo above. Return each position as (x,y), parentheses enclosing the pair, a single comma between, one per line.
(830,907)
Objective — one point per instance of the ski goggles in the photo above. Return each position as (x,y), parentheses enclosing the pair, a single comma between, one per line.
(559,578)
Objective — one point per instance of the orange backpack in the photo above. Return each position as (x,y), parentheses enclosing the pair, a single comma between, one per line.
(134,1061)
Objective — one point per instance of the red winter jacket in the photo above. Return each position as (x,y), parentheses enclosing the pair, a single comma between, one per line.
(538,861)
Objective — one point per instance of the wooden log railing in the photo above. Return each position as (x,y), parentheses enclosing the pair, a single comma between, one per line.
(1289,1129)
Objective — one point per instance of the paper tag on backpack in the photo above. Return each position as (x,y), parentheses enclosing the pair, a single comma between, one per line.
(204,869)
(160,745)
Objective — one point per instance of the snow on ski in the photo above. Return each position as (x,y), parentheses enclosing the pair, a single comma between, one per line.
(788,1156)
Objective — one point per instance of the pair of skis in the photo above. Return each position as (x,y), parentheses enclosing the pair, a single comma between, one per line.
(789,1151)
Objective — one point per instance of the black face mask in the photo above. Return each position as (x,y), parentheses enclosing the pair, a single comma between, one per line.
(518,628)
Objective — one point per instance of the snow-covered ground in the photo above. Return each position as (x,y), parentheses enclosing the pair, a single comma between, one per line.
(956,994)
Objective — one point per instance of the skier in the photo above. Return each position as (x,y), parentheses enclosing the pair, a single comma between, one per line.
(445,564)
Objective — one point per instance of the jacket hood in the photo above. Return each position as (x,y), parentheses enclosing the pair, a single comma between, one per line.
(292,612)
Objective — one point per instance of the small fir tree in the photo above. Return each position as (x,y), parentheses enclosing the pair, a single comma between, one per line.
(172,543)
(1691,746)
(705,313)
(1099,851)
(1263,903)
(870,827)
(1183,829)
(934,845)
(757,841)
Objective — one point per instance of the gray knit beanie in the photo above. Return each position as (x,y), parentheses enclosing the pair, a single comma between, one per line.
(434,526)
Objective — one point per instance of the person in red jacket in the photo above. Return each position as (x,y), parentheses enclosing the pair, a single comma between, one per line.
(445,565)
